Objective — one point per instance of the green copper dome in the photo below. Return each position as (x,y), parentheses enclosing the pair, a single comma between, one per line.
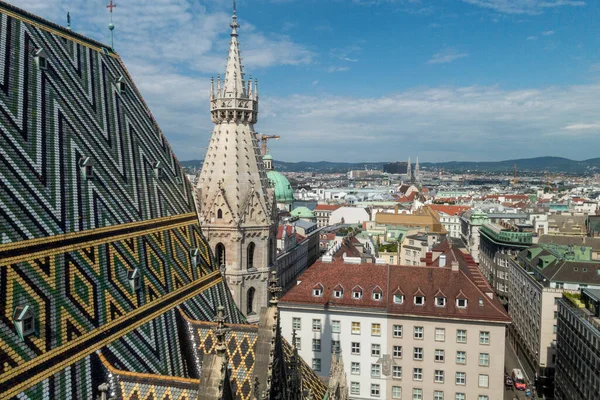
(268,157)
(302,212)
(283,190)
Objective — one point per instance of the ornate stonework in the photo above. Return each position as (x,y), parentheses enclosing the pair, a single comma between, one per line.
(234,199)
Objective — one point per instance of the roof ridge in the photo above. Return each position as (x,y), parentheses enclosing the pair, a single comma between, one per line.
(45,24)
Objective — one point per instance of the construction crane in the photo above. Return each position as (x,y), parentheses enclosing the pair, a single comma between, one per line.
(263,139)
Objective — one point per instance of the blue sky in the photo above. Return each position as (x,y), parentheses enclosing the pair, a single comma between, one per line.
(369,80)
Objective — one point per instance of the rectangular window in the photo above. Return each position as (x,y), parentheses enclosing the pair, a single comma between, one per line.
(398,299)
(417,374)
(554,329)
(316,325)
(484,381)
(482,397)
(484,359)
(417,394)
(461,357)
(396,372)
(296,324)
(418,333)
(438,395)
(461,336)
(316,345)
(375,350)
(375,370)
(335,346)
(440,334)
(374,390)
(419,300)
(438,376)
(397,330)
(396,392)
(355,348)
(298,343)
(439,355)
(460,396)
(354,388)
(461,378)
(375,329)
(484,337)
(418,353)
(316,364)
(355,368)
(356,328)
(397,351)
(336,327)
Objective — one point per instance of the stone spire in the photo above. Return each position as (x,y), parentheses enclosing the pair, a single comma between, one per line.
(409,170)
(417,171)
(234,198)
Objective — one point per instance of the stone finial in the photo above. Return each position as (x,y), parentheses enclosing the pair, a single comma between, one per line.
(274,289)
(221,330)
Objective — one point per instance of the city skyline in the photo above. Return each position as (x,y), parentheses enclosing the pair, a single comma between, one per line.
(461,80)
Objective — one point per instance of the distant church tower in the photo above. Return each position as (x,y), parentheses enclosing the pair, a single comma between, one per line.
(235,202)
(417,171)
(409,170)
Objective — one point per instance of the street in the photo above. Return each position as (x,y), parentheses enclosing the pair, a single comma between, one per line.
(510,362)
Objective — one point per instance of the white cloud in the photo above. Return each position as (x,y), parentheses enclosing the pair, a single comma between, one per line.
(442,123)
(337,69)
(582,127)
(548,33)
(531,37)
(446,56)
(531,7)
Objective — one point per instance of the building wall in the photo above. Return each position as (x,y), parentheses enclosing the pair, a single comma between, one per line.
(578,350)
(386,359)
(306,334)
(472,369)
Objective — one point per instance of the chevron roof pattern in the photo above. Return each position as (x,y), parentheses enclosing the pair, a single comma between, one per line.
(98,230)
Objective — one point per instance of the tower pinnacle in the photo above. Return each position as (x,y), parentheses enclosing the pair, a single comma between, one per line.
(235,99)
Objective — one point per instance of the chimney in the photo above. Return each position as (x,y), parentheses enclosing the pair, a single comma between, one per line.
(442,260)
(454,266)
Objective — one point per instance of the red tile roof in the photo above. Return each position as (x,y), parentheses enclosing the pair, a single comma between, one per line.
(397,279)
(327,207)
(449,210)
(288,229)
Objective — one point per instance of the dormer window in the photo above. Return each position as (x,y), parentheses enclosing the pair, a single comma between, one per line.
(135,280)
(357,293)
(419,300)
(120,84)
(377,293)
(86,166)
(440,301)
(157,168)
(41,61)
(480,302)
(318,290)
(398,299)
(195,255)
(338,292)
(461,303)
(24,321)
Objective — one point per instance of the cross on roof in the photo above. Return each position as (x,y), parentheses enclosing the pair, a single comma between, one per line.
(111,5)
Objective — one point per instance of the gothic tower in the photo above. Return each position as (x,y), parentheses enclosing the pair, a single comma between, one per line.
(236,204)
(417,171)
(408,170)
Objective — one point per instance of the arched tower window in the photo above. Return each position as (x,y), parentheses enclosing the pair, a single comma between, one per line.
(220,255)
(250,301)
(250,255)
(219,213)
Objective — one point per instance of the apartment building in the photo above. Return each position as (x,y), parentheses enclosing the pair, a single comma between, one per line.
(449,216)
(498,245)
(578,346)
(416,332)
(538,277)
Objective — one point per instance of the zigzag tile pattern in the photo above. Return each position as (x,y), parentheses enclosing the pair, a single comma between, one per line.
(68,242)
